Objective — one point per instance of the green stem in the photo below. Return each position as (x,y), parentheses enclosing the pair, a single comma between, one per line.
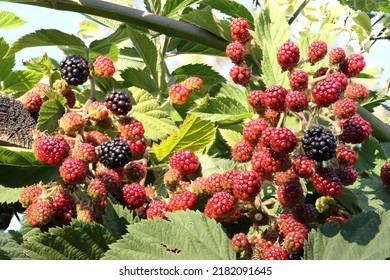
(380,130)
(167,26)
(298,11)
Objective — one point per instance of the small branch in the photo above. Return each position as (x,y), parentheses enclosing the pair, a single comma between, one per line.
(298,11)
(312,115)
(164,25)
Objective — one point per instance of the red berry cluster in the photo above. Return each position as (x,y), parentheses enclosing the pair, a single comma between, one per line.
(179,93)
(91,164)
(239,29)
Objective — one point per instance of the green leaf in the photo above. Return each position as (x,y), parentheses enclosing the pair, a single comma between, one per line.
(371,193)
(173,8)
(156,122)
(374,99)
(230,136)
(206,19)
(87,27)
(370,155)
(6,63)
(19,168)
(39,64)
(9,195)
(363,237)
(138,78)
(221,109)
(271,28)
(194,134)
(180,46)
(150,54)
(116,218)
(236,93)
(209,77)
(46,37)
(231,8)
(129,58)
(368,5)
(10,20)
(79,241)
(21,81)
(212,164)
(10,249)
(103,46)
(188,235)
(49,114)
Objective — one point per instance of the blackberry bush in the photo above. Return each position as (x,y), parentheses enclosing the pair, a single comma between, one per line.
(269,144)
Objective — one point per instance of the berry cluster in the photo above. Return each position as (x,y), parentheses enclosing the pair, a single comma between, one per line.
(179,93)
(320,153)
(92,162)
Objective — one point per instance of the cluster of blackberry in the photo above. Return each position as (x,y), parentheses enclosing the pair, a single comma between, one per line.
(91,165)
(319,155)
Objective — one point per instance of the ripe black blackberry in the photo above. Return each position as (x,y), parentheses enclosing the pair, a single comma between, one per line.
(319,143)
(74,70)
(118,102)
(114,153)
